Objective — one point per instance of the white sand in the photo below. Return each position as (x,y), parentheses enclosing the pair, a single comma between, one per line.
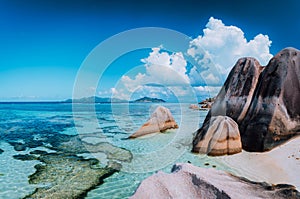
(278,166)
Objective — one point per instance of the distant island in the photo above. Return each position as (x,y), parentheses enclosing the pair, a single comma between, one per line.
(95,99)
(106,100)
(149,100)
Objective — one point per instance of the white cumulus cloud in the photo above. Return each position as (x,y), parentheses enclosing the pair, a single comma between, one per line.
(162,68)
(221,46)
(159,62)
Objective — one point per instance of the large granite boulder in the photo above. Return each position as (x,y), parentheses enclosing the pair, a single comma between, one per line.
(235,97)
(264,101)
(274,114)
(160,120)
(188,181)
(220,136)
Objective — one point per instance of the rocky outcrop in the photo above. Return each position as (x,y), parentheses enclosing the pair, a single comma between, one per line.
(160,120)
(220,136)
(274,114)
(234,98)
(207,103)
(188,181)
(264,101)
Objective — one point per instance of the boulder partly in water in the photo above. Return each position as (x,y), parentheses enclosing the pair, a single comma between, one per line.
(160,120)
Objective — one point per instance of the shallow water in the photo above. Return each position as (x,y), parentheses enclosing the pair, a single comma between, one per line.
(47,127)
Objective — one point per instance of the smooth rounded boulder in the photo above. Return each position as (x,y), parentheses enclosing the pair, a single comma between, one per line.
(161,120)
(220,136)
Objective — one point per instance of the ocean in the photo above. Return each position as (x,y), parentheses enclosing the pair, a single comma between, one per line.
(58,140)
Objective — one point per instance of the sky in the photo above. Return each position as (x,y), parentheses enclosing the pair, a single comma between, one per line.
(43,44)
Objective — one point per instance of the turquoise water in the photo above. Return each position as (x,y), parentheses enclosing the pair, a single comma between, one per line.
(26,127)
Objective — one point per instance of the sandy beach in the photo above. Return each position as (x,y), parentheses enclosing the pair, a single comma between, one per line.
(278,166)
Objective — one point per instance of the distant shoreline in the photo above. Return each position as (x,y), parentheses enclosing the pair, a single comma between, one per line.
(62,102)
(102,103)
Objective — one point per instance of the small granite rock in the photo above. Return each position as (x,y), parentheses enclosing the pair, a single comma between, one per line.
(188,181)
(220,136)
(160,120)
(18,146)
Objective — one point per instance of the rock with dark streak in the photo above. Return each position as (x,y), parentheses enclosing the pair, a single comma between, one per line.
(188,181)
(220,137)
(274,114)
(235,97)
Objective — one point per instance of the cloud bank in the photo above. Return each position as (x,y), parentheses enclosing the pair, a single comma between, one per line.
(214,54)
(221,46)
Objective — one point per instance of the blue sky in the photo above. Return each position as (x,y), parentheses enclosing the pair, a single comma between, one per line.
(43,43)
